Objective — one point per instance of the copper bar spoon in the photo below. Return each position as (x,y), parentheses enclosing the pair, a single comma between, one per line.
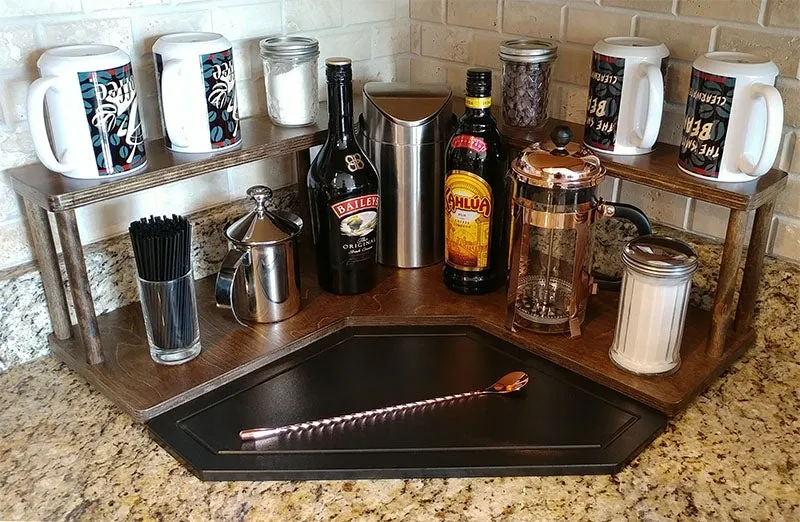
(509,383)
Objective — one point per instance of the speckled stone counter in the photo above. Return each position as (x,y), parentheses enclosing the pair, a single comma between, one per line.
(68,453)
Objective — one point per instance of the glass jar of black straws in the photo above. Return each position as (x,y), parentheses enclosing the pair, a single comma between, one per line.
(162,249)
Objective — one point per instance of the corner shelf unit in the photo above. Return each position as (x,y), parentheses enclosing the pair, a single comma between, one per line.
(111,351)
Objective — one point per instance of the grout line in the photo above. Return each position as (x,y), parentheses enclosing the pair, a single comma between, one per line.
(674,9)
(687,212)
(562,28)
(634,25)
(762,13)
(500,22)
(712,41)
(771,235)
(615,189)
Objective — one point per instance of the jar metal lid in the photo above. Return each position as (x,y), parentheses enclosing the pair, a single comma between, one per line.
(528,51)
(660,256)
(288,47)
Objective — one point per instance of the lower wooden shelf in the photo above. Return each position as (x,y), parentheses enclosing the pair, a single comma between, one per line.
(144,389)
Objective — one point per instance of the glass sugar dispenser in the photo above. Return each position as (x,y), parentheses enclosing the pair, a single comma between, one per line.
(653,303)
(554,204)
(290,77)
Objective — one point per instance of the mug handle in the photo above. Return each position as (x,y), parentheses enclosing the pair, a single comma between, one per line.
(772,136)
(36,122)
(655,105)
(635,216)
(172,102)
(223,290)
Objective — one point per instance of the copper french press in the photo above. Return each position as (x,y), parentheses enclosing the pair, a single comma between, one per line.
(554,204)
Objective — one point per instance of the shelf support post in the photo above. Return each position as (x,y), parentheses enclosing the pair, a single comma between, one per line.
(44,251)
(722,309)
(79,285)
(753,267)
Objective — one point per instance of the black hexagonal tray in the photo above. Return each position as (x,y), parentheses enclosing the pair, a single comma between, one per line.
(561,423)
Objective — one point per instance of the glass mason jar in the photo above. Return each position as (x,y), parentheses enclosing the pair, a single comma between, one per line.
(653,304)
(526,81)
(290,78)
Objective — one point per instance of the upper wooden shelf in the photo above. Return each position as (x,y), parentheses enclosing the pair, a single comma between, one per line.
(261,139)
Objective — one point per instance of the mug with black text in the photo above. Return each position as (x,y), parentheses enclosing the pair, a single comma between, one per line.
(92,112)
(734,118)
(197,91)
(626,95)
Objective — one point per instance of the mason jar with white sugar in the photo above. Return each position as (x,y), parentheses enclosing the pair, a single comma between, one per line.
(290,77)
(653,304)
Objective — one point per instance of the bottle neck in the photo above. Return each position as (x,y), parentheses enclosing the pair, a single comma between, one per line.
(477,106)
(340,112)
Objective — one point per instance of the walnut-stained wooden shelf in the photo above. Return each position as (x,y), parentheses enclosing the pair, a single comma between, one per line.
(111,351)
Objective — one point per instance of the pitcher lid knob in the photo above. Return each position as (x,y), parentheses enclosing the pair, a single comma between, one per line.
(260,194)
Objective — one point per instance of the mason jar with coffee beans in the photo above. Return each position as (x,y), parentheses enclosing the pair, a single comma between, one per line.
(526,81)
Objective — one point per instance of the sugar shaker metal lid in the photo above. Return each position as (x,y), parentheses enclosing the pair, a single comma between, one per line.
(528,51)
(262,226)
(558,163)
(660,256)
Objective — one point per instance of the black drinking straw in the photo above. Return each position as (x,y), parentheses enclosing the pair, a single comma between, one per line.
(161,248)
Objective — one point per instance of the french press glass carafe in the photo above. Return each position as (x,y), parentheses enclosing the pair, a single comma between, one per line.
(553,207)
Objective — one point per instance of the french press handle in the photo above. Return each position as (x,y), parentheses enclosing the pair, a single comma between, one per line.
(642,224)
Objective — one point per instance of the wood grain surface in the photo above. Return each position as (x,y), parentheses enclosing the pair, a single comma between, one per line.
(411,296)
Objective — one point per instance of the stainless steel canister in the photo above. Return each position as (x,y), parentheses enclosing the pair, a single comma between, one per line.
(260,276)
(404,131)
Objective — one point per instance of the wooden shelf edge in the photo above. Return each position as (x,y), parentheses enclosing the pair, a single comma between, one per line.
(702,369)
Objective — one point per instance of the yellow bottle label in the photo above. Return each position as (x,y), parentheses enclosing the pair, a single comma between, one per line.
(468,218)
(478,103)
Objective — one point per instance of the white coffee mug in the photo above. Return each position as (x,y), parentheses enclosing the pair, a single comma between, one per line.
(92,112)
(626,95)
(197,92)
(734,118)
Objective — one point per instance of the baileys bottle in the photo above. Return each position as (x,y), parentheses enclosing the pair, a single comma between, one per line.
(343,195)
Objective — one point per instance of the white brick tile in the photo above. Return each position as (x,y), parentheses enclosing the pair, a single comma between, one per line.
(532,19)
(573,65)
(567,102)
(389,40)
(481,14)
(355,44)
(485,48)
(788,202)
(784,50)
(677,81)
(304,15)
(14,92)
(736,10)
(16,48)
(252,97)
(247,59)
(658,205)
(273,172)
(148,28)
(448,43)
(456,78)
(110,31)
(38,7)
(145,75)
(794,161)
(684,40)
(709,220)
(10,205)
(361,11)
(424,70)
(100,5)
(402,8)
(17,147)
(787,238)
(14,239)
(151,117)
(377,70)
(428,10)
(656,6)
(671,124)
(249,21)
(784,13)
(402,64)
(587,26)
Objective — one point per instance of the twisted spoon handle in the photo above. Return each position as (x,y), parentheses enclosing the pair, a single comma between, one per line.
(262,433)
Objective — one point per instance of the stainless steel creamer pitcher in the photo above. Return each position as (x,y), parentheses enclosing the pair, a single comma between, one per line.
(260,276)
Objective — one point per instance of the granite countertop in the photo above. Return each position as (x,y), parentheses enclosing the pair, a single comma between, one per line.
(67,453)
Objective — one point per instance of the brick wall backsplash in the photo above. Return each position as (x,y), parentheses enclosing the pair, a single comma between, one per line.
(374,33)
(447,36)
